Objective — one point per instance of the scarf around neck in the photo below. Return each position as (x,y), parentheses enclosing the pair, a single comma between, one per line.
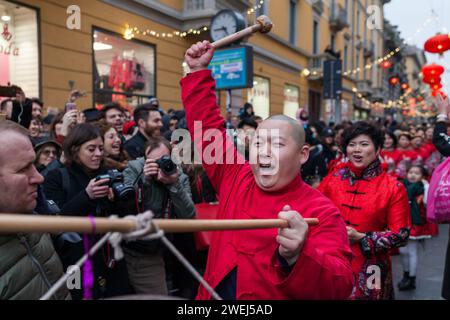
(353,174)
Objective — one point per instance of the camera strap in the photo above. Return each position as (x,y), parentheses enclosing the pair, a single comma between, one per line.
(140,197)
(65,180)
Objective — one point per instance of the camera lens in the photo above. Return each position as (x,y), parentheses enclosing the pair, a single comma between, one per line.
(168,167)
(123,192)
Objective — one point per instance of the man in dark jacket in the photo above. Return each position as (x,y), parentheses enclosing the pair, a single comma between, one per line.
(320,156)
(149,121)
(29,265)
(441,140)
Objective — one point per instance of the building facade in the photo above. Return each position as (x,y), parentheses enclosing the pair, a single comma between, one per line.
(56,56)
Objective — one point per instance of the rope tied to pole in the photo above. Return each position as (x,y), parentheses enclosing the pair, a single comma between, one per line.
(146,229)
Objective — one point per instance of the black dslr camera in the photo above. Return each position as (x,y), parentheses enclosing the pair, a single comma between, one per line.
(9,91)
(167,166)
(121,191)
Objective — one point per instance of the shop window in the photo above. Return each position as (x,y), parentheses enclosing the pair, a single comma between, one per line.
(291,96)
(262,8)
(293,21)
(316,36)
(259,96)
(19,48)
(124,70)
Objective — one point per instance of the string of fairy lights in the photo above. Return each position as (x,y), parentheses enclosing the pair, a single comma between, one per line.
(399,103)
(306,72)
(131,31)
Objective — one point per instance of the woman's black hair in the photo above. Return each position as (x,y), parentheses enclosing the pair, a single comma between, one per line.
(79,135)
(362,127)
(393,137)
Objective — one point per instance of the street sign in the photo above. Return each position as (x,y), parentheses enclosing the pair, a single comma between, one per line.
(232,68)
(332,78)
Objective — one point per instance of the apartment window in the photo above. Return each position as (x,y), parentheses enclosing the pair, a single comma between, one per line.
(365,70)
(334,8)
(358,22)
(357,65)
(345,57)
(333,42)
(365,24)
(292,21)
(291,100)
(263,8)
(259,96)
(193,5)
(346,7)
(316,37)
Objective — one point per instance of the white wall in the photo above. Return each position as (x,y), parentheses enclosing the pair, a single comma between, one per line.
(25,66)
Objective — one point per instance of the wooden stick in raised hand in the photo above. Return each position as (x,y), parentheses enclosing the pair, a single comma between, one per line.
(263,25)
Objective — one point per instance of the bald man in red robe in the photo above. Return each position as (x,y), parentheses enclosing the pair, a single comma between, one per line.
(298,262)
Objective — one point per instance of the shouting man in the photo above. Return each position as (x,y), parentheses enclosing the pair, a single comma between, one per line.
(297,262)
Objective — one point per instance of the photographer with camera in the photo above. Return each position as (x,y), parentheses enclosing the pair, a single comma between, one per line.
(164,190)
(83,188)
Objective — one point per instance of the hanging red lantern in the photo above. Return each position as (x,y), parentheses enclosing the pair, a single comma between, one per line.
(432,70)
(434,93)
(386,64)
(432,80)
(438,44)
(394,81)
(436,87)
(405,86)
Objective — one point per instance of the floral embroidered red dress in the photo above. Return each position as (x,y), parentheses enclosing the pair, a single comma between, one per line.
(376,204)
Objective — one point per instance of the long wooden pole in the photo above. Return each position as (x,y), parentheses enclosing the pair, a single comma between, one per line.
(18,223)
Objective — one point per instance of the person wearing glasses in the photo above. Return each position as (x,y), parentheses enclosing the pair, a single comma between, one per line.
(48,153)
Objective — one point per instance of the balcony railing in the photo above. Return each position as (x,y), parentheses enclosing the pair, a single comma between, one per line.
(199,7)
(378,94)
(318,6)
(369,48)
(315,65)
(338,17)
(364,87)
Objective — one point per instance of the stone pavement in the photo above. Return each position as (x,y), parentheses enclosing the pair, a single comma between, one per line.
(430,269)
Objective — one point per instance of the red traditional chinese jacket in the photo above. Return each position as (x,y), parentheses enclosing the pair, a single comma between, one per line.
(375,204)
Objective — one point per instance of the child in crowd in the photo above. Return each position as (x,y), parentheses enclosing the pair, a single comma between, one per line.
(417,189)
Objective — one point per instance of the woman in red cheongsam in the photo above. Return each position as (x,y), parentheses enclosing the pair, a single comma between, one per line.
(374,206)
(408,155)
(389,154)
